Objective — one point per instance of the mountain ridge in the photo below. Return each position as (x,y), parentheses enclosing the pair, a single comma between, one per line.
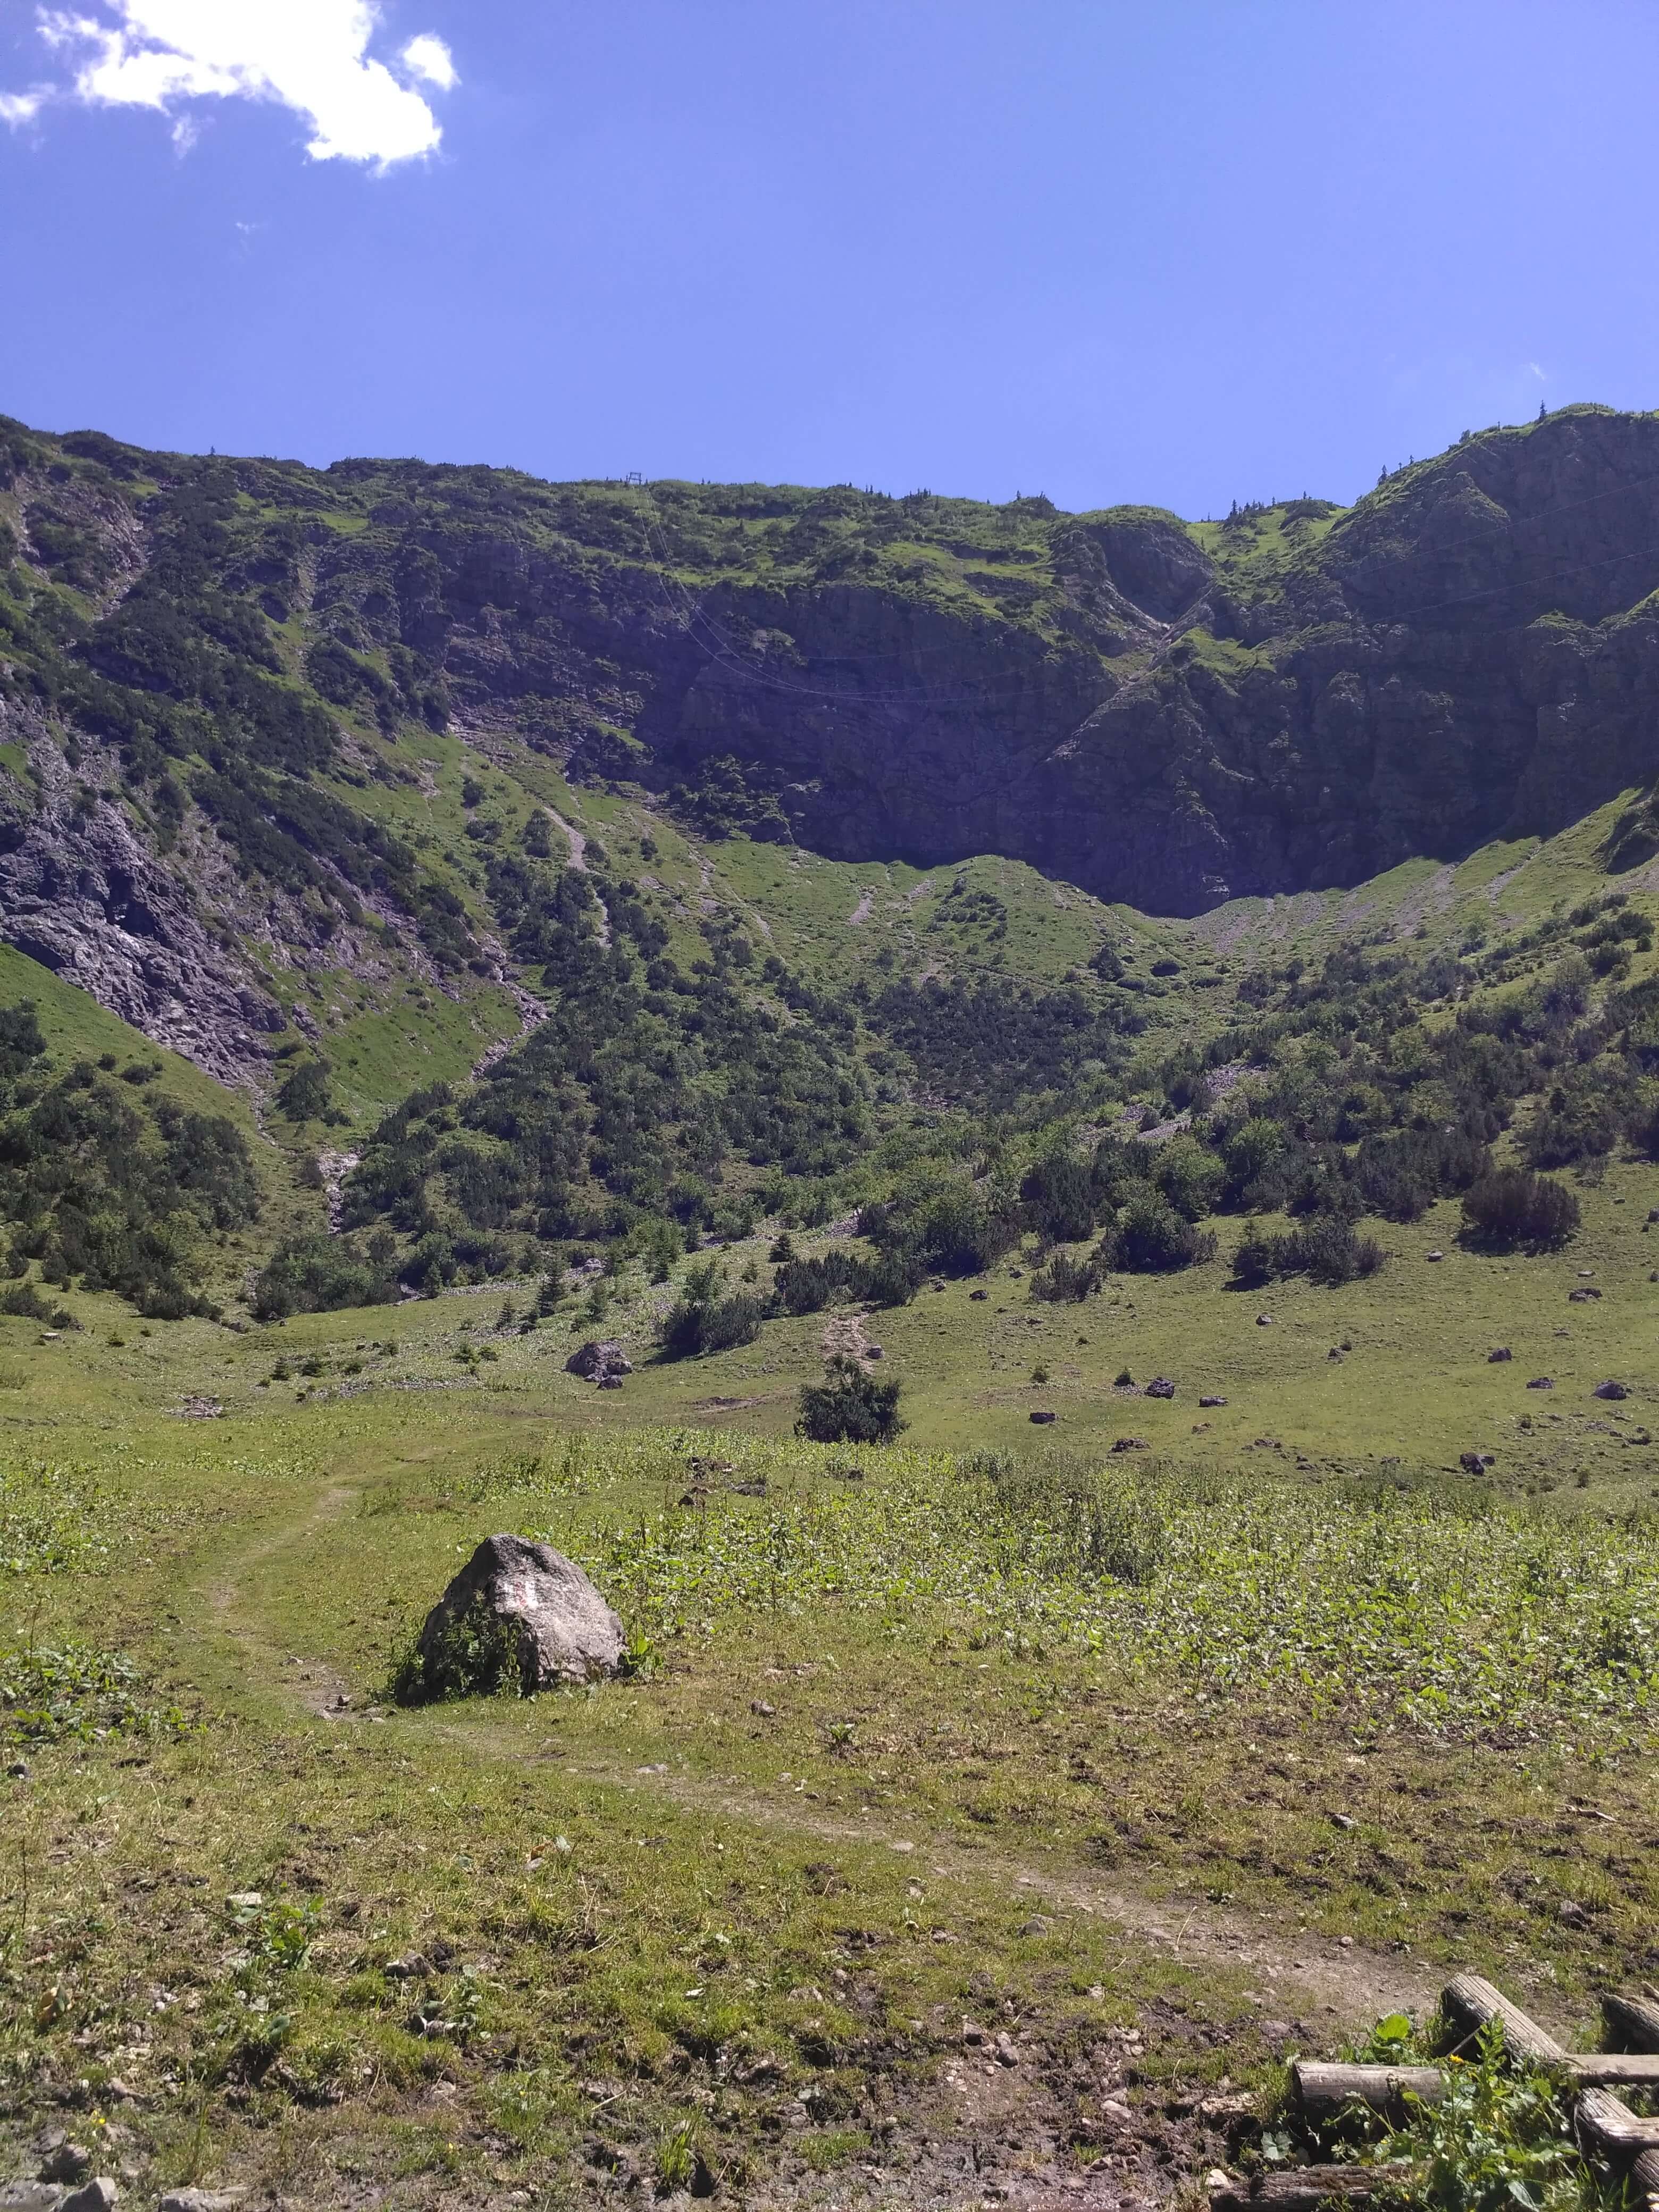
(239,698)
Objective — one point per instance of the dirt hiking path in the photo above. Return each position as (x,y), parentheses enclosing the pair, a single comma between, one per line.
(1293,1972)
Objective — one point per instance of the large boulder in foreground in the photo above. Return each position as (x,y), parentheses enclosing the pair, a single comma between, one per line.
(518,1615)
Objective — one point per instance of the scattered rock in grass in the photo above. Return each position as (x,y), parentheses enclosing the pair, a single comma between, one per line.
(974,2035)
(1213,1401)
(1042,1419)
(1160,1387)
(1038,1925)
(524,1596)
(1584,1273)
(1264,1321)
(1007,2052)
(1502,1352)
(599,1358)
(1200,1427)
(1335,1353)
(1434,1255)
(1541,1383)
(199,1409)
(1223,2109)
(1475,1462)
(763,1707)
(1610,1389)
(978,1297)
(1581,1298)
(1344,1820)
(1131,1443)
(66,2161)
(874,1351)
(1573,1915)
(202,2200)
(99,2194)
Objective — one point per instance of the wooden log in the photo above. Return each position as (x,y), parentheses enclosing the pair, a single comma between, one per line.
(1645,2176)
(1632,2021)
(1326,2091)
(1468,2003)
(1610,2069)
(1611,2130)
(1304,2188)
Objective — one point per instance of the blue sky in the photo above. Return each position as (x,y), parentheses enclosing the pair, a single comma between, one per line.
(1177,251)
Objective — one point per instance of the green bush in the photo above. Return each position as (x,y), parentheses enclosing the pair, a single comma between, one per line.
(1152,1238)
(849,1407)
(318,1275)
(1512,1208)
(703,1320)
(1326,1247)
(305,1096)
(1500,2138)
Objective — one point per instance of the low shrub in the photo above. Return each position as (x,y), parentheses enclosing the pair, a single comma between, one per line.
(702,1319)
(843,1277)
(321,1275)
(1326,1247)
(1513,1208)
(849,1407)
(1153,1238)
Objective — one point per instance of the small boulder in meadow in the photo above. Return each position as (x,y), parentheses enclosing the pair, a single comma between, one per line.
(518,1616)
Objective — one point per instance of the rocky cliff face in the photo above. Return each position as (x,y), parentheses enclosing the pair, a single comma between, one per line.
(83,892)
(1166,714)
(1469,654)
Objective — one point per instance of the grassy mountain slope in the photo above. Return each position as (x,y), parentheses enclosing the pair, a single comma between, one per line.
(527,937)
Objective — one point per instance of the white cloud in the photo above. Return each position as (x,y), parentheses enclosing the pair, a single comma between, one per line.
(16,107)
(430,59)
(309,56)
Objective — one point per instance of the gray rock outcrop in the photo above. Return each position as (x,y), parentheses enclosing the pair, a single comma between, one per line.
(599,1360)
(566,1632)
(83,894)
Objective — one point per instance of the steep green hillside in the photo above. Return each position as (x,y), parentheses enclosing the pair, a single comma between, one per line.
(450,918)
(456,818)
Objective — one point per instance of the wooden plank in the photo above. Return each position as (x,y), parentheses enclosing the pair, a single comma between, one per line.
(1645,2175)
(1612,2131)
(1632,2022)
(1613,2068)
(1468,2002)
(1304,2188)
(1325,2091)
